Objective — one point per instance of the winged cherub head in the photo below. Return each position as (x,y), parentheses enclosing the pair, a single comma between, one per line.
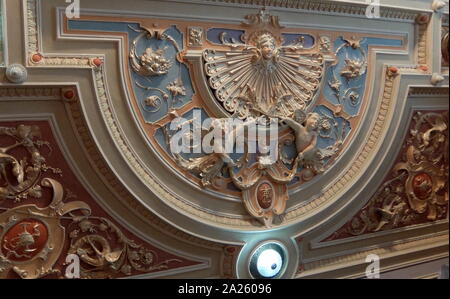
(266,45)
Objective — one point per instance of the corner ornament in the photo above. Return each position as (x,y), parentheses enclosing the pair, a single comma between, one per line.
(416,190)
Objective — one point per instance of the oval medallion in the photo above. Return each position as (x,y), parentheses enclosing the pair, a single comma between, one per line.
(422,185)
(264,195)
(24,240)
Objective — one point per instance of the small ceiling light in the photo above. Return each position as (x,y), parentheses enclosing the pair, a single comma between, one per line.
(268,261)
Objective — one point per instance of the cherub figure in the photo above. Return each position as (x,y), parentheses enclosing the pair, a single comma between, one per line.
(267,46)
(210,166)
(306,132)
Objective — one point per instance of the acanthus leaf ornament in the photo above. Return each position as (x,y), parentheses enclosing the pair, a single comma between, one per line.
(26,171)
(416,191)
(34,237)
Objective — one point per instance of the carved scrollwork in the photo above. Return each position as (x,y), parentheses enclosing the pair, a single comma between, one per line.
(103,247)
(25,172)
(32,238)
(417,190)
(353,69)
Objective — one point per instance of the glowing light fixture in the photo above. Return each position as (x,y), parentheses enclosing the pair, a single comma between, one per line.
(268,261)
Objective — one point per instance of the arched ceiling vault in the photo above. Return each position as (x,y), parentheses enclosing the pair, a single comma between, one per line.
(94,109)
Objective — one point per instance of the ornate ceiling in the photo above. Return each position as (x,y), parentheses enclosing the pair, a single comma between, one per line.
(348,155)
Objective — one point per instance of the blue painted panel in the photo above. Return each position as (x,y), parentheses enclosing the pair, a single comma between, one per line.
(178,70)
(342,124)
(213,35)
(355,86)
(292,38)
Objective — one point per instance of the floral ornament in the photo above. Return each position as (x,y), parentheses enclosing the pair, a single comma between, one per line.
(103,247)
(195,36)
(353,68)
(153,63)
(417,190)
(152,101)
(26,170)
(354,98)
(176,88)
(335,84)
(325,125)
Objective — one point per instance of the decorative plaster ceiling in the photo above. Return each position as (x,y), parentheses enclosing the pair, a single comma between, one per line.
(363,103)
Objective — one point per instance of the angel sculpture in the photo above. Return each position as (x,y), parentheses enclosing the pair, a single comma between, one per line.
(209,167)
(306,131)
(275,73)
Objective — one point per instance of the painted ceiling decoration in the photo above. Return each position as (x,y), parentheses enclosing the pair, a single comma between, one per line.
(416,189)
(264,70)
(40,217)
(357,161)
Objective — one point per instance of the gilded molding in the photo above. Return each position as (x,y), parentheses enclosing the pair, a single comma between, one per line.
(429,91)
(323,6)
(422,38)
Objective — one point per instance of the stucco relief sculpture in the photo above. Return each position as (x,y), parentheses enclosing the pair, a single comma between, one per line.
(261,81)
(263,77)
(24,179)
(32,237)
(282,78)
(151,62)
(161,58)
(306,131)
(417,189)
(195,36)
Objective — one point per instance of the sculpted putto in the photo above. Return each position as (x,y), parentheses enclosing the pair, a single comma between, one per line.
(305,132)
